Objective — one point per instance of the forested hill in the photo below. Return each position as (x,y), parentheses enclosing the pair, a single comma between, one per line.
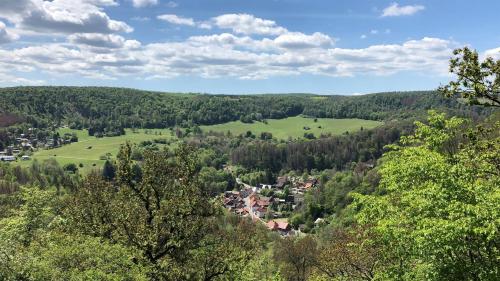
(106,109)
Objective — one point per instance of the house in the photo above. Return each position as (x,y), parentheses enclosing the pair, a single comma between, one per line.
(233,202)
(281,182)
(8,158)
(265,186)
(281,227)
(245,192)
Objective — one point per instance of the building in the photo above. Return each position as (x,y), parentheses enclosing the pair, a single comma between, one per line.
(7,158)
(281,227)
(281,182)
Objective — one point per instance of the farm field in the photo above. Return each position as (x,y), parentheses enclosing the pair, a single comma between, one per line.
(89,149)
(294,126)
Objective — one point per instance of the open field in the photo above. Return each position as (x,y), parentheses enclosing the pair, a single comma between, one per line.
(294,126)
(89,149)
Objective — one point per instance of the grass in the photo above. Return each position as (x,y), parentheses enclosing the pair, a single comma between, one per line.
(89,149)
(294,126)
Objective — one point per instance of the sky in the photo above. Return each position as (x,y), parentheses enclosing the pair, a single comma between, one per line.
(242,46)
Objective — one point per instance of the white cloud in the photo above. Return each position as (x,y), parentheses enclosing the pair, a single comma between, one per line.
(144,3)
(174,19)
(374,31)
(493,53)
(224,55)
(297,40)
(204,25)
(363,36)
(255,49)
(11,80)
(394,10)
(111,41)
(248,24)
(62,16)
(172,4)
(5,35)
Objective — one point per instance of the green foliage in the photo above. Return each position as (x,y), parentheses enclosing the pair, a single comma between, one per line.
(32,247)
(108,170)
(438,213)
(57,256)
(70,167)
(296,257)
(215,181)
(35,213)
(477,82)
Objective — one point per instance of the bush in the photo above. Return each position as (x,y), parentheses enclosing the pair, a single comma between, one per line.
(70,167)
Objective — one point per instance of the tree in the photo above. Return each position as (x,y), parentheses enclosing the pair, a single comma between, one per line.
(348,254)
(70,167)
(34,246)
(108,171)
(437,212)
(164,215)
(477,82)
(296,256)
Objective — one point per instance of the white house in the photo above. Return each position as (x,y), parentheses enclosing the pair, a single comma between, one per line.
(7,158)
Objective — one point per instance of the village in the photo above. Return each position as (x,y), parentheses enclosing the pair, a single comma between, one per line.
(268,203)
(22,145)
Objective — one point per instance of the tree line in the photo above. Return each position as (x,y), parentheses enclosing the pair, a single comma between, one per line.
(107,111)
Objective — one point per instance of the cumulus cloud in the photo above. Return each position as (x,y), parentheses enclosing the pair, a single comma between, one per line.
(251,48)
(111,41)
(298,40)
(174,19)
(394,10)
(62,16)
(225,55)
(6,36)
(248,24)
(144,3)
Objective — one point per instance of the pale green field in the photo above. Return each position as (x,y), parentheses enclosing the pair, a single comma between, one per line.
(294,126)
(80,152)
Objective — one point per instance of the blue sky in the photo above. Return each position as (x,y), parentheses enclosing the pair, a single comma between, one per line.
(241,46)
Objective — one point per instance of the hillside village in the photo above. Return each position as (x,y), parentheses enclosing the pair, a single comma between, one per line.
(20,146)
(287,195)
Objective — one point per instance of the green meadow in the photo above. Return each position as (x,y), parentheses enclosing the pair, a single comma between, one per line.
(89,149)
(294,126)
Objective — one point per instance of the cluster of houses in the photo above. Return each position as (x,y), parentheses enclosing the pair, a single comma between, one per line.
(23,143)
(14,151)
(250,201)
(247,203)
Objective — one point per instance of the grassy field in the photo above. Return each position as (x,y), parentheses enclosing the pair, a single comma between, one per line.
(294,126)
(89,149)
